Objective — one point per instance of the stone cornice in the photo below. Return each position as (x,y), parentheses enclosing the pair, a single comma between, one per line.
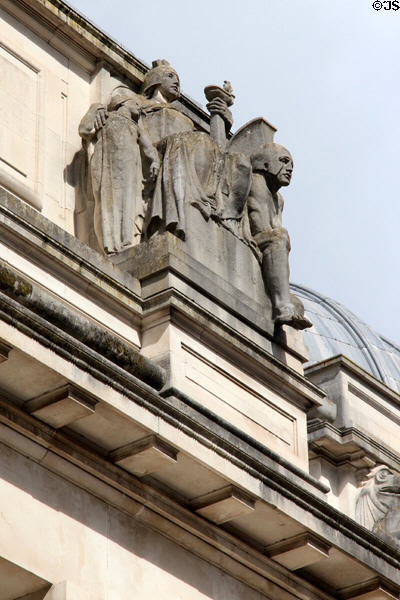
(258,461)
(161,510)
(342,436)
(34,236)
(342,362)
(100,354)
(149,507)
(33,311)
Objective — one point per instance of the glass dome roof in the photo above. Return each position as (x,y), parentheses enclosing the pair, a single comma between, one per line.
(336,330)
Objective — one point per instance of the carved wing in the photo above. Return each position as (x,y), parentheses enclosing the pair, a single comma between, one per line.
(251,136)
(368,511)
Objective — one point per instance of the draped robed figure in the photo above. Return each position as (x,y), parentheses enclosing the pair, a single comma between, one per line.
(149,164)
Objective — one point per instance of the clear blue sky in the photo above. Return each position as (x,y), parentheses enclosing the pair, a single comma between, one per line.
(326,74)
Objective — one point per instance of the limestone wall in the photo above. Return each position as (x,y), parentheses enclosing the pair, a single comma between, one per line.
(43,97)
(61,532)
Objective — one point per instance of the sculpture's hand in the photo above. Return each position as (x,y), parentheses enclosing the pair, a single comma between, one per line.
(154,168)
(100,118)
(217,106)
(134,109)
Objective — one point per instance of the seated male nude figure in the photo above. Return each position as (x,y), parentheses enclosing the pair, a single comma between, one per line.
(272,168)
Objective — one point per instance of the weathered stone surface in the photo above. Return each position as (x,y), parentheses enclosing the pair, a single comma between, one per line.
(201,304)
(149,169)
(62,406)
(128,136)
(378,503)
(224,269)
(272,168)
(144,456)
(224,505)
(97,338)
(357,433)
(116,168)
(252,136)
(42,237)
(218,100)
(299,551)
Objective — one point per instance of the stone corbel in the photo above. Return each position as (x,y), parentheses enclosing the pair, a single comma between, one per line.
(69,591)
(223,505)
(374,589)
(145,456)
(62,406)
(298,552)
(5,349)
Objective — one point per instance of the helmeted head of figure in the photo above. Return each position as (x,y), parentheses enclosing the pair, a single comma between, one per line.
(164,78)
(274,160)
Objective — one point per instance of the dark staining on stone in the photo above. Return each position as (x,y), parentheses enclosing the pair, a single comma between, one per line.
(23,288)
(7,280)
(11,283)
(80,328)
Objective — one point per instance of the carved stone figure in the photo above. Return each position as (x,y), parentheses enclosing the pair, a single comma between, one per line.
(272,168)
(116,168)
(130,137)
(195,171)
(149,167)
(378,503)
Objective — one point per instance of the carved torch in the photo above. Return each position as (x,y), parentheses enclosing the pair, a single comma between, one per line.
(217,123)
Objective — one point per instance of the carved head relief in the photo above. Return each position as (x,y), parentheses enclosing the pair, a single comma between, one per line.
(377,502)
(162,78)
(275,161)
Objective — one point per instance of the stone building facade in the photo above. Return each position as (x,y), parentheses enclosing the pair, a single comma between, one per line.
(161,431)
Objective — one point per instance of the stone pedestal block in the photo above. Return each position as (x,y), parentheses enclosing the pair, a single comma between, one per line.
(207,321)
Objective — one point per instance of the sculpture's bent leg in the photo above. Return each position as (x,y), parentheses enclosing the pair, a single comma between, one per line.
(275,246)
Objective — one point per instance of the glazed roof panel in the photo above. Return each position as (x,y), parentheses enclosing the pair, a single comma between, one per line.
(336,330)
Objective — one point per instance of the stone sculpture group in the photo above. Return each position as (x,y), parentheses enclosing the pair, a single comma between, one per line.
(149,167)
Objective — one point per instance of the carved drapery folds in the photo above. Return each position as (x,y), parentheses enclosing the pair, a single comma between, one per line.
(149,168)
(378,503)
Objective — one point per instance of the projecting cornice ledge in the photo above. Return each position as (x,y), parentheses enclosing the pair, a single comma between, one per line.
(158,511)
(32,310)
